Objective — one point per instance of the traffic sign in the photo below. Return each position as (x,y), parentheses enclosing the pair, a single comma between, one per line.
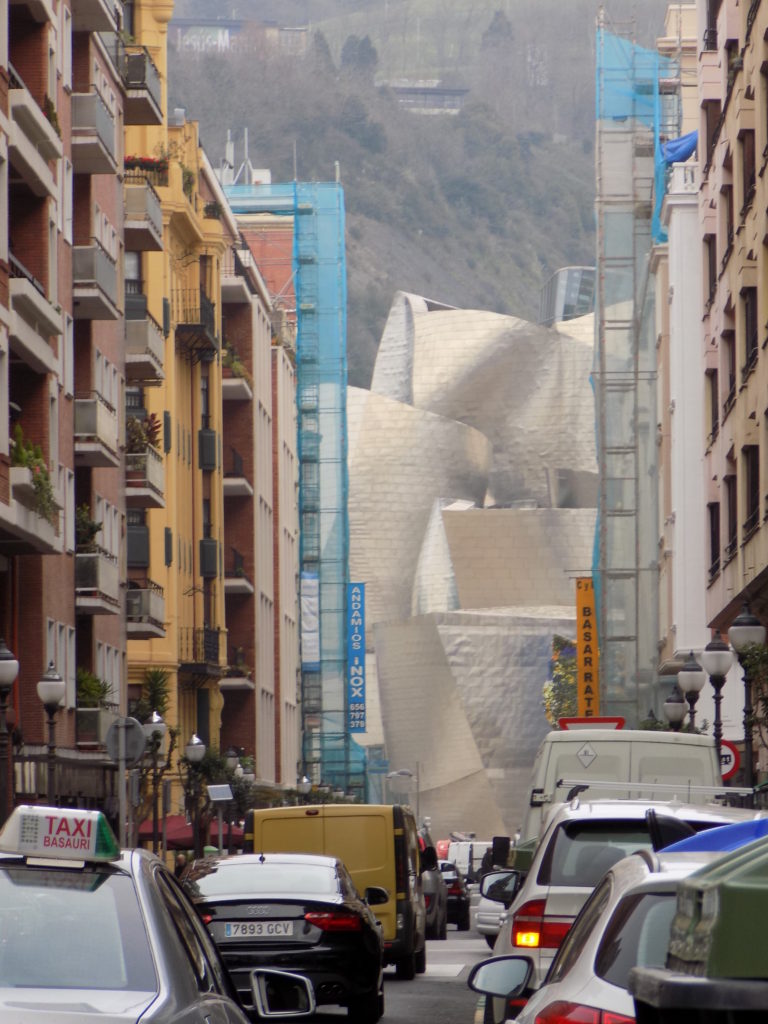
(730,759)
(135,740)
(587,722)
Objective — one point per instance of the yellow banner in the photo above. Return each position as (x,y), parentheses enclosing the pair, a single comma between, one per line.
(587,654)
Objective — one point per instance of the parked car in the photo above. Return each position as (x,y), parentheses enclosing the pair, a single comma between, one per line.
(298,912)
(458,898)
(88,931)
(435,892)
(581,841)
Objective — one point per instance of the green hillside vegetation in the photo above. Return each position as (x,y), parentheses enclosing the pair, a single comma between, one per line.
(474,210)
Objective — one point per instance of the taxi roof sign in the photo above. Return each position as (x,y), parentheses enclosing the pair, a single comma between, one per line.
(56,833)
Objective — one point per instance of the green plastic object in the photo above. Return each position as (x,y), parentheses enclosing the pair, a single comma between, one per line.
(719,928)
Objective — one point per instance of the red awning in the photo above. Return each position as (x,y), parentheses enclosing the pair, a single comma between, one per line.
(179,836)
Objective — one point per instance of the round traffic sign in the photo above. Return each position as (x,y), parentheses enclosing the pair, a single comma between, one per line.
(730,759)
(135,740)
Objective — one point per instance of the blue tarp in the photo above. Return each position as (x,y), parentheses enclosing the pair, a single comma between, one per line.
(677,151)
(721,839)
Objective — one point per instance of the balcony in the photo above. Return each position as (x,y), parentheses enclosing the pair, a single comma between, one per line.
(92,726)
(96,435)
(200,652)
(236,484)
(144,349)
(195,318)
(144,479)
(97,15)
(93,135)
(34,319)
(34,141)
(143,214)
(235,580)
(144,610)
(23,530)
(94,275)
(97,583)
(40,11)
(235,389)
(143,89)
(236,286)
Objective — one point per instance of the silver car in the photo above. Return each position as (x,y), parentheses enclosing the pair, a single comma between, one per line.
(90,931)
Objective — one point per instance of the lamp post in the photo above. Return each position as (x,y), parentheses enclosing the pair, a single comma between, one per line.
(716,660)
(400,783)
(746,630)
(195,752)
(674,710)
(155,730)
(303,787)
(691,679)
(9,669)
(51,689)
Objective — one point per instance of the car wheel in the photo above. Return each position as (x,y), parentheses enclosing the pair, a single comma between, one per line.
(366,1009)
(464,922)
(491,940)
(421,960)
(405,968)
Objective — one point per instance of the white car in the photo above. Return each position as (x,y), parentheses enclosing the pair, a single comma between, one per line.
(581,841)
(625,923)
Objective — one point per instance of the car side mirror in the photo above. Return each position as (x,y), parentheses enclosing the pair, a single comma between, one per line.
(375,895)
(502,976)
(501,886)
(428,861)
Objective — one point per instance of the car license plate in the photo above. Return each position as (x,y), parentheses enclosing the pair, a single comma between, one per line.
(257,929)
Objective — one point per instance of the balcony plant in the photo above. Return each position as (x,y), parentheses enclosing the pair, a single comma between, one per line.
(49,110)
(92,692)
(142,433)
(30,455)
(85,530)
(231,361)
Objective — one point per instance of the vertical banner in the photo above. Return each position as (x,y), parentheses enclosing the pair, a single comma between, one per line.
(587,654)
(310,622)
(356,657)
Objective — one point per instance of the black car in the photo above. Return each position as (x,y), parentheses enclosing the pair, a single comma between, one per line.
(458,895)
(297,912)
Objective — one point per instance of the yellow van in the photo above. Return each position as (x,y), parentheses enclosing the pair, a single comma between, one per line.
(380,846)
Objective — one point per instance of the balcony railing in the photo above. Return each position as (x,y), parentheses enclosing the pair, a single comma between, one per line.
(96,15)
(94,276)
(200,646)
(93,135)
(144,94)
(144,479)
(195,317)
(96,433)
(97,583)
(144,349)
(145,610)
(37,318)
(143,215)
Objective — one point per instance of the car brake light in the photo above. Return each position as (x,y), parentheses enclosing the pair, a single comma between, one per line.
(334,922)
(455,890)
(427,899)
(574,1013)
(532,929)
(206,918)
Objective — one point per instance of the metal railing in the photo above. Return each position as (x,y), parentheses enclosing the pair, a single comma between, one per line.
(199,644)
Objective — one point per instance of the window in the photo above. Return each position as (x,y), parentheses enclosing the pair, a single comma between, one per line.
(729,369)
(66,47)
(713,511)
(573,943)
(68,356)
(732,529)
(749,300)
(204,403)
(747,166)
(712,116)
(751,458)
(710,248)
(714,405)
(636,936)
(66,201)
(580,852)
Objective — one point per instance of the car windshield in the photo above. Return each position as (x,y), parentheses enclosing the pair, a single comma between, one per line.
(637,936)
(582,851)
(265,879)
(72,930)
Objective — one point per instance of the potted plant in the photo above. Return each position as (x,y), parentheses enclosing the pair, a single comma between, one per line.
(93,700)
(28,455)
(85,530)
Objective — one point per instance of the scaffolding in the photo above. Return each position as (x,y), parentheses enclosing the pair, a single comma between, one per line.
(329,754)
(637,108)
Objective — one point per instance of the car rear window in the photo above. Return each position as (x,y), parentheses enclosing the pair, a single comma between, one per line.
(72,930)
(636,936)
(264,880)
(580,852)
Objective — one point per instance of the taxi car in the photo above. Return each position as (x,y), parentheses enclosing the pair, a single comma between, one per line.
(88,931)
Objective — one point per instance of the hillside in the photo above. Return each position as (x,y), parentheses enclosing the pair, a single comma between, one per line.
(474,210)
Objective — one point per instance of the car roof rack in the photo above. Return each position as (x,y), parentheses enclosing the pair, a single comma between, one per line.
(675,789)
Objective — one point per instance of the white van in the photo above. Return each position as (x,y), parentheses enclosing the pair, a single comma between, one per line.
(467,855)
(642,764)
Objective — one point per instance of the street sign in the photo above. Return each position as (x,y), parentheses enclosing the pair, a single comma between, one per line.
(587,722)
(135,740)
(730,759)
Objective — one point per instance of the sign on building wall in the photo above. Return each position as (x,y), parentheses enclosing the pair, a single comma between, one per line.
(310,622)
(587,654)
(356,657)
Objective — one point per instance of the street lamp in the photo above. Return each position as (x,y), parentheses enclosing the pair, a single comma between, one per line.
(194,753)
(691,679)
(155,730)
(716,660)
(746,630)
(303,786)
(231,759)
(674,710)
(51,689)
(9,669)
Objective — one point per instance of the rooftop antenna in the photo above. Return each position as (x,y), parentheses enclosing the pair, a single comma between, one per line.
(246,168)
